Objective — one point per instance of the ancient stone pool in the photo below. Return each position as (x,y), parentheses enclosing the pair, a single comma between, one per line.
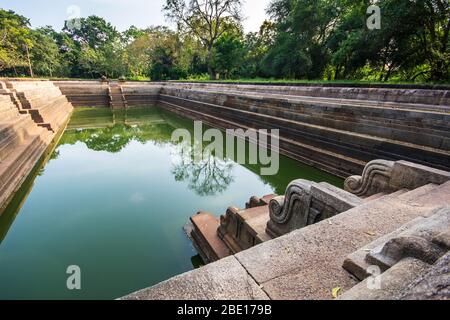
(113,200)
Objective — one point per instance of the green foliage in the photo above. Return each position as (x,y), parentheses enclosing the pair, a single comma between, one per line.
(208,20)
(305,39)
(319,39)
(228,54)
(14,38)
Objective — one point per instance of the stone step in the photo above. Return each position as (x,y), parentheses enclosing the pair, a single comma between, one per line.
(223,280)
(358,112)
(18,124)
(375,197)
(328,161)
(56,115)
(7,114)
(393,282)
(245,115)
(376,95)
(430,227)
(204,233)
(411,195)
(255,221)
(307,264)
(412,132)
(364,147)
(356,262)
(349,102)
(428,195)
(438,141)
(15,169)
(9,143)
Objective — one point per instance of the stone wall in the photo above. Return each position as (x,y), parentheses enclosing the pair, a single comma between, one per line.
(32,116)
(97,93)
(85,93)
(336,129)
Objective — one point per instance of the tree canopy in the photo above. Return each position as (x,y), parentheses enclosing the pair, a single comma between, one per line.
(302,39)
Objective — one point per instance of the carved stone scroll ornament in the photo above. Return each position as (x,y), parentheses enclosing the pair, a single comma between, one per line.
(375,179)
(290,212)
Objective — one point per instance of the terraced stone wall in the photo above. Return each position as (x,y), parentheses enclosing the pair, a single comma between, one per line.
(32,115)
(336,129)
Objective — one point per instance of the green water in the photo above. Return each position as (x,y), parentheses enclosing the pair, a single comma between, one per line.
(112,201)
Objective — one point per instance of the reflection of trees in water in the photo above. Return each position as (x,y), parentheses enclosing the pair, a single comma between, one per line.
(106,140)
(115,138)
(210,176)
(206,177)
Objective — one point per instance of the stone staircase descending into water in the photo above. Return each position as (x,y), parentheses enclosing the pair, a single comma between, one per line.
(32,114)
(319,242)
(84,94)
(116,97)
(97,93)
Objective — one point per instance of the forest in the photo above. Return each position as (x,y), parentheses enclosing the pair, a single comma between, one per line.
(301,39)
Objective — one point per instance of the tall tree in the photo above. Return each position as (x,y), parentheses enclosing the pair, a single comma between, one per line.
(45,55)
(98,47)
(206,19)
(92,31)
(303,28)
(15,41)
(228,54)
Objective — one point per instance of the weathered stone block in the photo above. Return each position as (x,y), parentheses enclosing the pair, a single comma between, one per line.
(223,280)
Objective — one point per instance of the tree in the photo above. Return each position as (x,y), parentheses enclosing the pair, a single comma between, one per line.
(45,54)
(15,41)
(256,46)
(228,54)
(98,47)
(165,55)
(413,41)
(92,31)
(206,19)
(303,27)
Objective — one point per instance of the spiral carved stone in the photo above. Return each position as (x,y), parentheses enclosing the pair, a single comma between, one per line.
(374,172)
(283,208)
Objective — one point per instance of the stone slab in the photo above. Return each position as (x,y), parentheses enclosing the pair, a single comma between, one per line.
(223,280)
(411,175)
(440,194)
(391,283)
(417,241)
(356,262)
(206,237)
(258,224)
(432,285)
(307,264)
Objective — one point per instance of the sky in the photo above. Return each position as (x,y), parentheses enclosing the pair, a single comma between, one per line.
(121,13)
